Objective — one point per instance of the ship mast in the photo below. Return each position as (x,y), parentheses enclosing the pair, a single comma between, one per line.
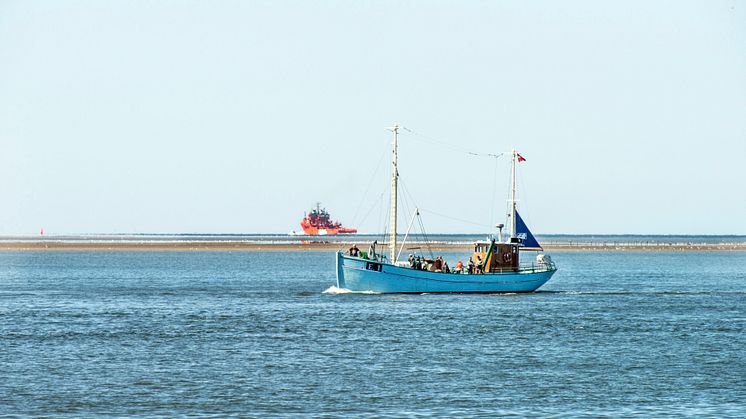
(512,197)
(394,182)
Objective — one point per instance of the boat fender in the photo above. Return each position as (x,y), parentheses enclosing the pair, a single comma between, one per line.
(507,257)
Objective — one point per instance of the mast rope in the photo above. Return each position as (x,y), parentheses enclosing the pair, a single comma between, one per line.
(367,189)
(494,194)
(507,201)
(378,202)
(525,201)
(430,140)
(433,141)
(385,222)
(424,235)
(456,219)
(408,196)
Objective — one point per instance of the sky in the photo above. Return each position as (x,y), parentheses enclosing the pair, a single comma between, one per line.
(238,116)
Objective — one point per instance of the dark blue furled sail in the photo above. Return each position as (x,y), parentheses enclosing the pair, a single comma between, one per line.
(522,231)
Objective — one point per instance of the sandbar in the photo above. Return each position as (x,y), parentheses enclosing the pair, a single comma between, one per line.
(161,246)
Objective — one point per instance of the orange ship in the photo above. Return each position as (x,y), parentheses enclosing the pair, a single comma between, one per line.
(317,222)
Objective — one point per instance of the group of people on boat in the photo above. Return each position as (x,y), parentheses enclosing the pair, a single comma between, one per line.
(421,263)
(440,265)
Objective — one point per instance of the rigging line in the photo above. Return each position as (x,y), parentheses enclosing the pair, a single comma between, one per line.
(433,141)
(525,199)
(424,234)
(410,209)
(507,201)
(404,188)
(376,203)
(384,221)
(414,203)
(494,194)
(406,197)
(372,207)
(370,183)
(454,218)
(429,140)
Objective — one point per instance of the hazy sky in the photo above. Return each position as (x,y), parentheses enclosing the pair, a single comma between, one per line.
(238,116)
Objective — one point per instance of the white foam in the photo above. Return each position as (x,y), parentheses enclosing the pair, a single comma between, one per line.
(334,290)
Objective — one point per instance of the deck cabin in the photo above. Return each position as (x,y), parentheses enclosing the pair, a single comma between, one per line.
(496,257)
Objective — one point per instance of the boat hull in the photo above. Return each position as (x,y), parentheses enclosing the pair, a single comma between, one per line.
(361,275)
(331,231)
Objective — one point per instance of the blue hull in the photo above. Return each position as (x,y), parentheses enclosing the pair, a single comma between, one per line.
(357,274)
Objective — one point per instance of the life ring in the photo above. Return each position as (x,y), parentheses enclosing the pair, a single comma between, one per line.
(507,257)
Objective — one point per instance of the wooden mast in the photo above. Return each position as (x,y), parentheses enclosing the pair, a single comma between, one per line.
(512,197)
(394,184)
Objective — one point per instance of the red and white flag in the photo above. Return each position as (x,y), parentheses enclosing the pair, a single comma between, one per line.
(520,158)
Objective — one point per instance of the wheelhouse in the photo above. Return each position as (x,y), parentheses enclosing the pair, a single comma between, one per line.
(496,257)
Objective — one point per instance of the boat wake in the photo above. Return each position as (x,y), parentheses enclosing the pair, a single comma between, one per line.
(334,291)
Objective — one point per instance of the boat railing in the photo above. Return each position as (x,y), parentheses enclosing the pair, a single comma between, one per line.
(524,267)
(535,266)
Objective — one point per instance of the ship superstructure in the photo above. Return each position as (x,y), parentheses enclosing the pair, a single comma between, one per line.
(319,222)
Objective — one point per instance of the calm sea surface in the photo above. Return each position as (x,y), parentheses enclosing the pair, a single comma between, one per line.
(253,333)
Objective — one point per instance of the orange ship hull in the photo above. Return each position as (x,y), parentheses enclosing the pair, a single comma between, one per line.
(319,223)
(315,231)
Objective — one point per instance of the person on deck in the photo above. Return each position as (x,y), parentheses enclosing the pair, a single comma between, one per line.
(479,265)
(372,250)
(354,251)
(411,261)
(438,264)
(459,267)
(470,266)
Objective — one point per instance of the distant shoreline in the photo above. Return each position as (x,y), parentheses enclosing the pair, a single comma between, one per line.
(43,245)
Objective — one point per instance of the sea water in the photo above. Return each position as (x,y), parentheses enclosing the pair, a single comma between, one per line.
(254,333)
